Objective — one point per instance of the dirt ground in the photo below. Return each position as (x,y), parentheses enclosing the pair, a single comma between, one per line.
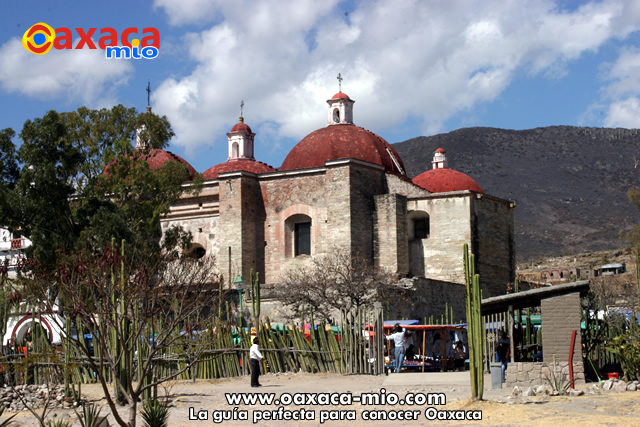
(499,408)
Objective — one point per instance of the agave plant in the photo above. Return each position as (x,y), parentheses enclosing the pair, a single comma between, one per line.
(8,421)
(155,414)
(90,416)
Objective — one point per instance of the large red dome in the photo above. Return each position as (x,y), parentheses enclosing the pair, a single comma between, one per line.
(340,142)
(445,180)
(156,158)
(247,165)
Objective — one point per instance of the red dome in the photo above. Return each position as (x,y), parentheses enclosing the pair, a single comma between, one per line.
(157,158)
(340,142)
(247,165)
(440,150)
(241,126)
(445,180)
(340,95)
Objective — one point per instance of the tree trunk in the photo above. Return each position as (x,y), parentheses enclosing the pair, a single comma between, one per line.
(132,413)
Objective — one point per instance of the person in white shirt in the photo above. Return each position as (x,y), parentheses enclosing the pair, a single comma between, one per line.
(255,359)
(399,338)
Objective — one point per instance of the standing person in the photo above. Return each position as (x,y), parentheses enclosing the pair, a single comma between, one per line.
(256,359)
(399,337)
(459,356)
(502,350)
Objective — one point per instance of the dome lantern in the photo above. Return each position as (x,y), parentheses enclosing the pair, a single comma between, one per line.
(440,159)
(340,107)
(241,140)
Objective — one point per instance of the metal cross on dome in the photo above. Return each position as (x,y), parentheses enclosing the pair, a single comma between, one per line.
(339,82)
(149,94)
(241,107)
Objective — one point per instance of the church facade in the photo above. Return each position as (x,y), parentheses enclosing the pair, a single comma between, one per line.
(344,187)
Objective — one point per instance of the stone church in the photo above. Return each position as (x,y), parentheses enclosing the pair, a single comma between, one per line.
(345,187)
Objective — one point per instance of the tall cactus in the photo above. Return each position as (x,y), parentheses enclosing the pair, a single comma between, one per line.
(475,327)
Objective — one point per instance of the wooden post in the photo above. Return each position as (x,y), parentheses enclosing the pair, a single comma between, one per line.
(424,349)
(511,335)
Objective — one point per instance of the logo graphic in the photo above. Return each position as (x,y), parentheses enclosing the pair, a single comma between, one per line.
(148,52)
(39,38)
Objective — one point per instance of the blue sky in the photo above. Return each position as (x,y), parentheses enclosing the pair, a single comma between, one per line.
(413,67)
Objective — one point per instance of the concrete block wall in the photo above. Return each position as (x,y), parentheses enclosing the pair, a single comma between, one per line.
(390,233)
(493,243)
(560,316)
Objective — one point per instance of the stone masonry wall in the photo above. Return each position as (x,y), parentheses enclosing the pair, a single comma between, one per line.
(324,197)
(493,244)
(538,373)
(204,231)
(230,229)
(397,185)
(449,231)
(390,233)
(365,184)
(560,316)
(425,298)
(429,298)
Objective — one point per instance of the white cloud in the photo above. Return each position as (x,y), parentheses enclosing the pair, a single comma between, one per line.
(188,11)
(80,75)
(427,60)
(624,113)
(623,91)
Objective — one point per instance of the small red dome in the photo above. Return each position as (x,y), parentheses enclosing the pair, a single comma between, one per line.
(247,165)
(440,150)
(340,142)
(445,180)
(241,126)
(340,95)
(157,158)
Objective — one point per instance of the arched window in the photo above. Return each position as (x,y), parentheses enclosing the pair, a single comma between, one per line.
(298,235)
(234,151)
(196,251)
(336,115)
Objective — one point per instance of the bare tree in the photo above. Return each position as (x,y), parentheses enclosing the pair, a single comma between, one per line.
(140,316)
(334,283)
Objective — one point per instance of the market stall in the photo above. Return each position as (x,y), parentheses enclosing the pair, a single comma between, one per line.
(429,348)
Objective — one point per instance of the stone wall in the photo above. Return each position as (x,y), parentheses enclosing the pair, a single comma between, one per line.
(365,183)
(324,197)
(493,243)
(418,299)
(390,231)
(449,231)
(397,185)
(428,298)
(539,373)
(560,316)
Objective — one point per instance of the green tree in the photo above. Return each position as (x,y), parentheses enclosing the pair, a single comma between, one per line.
(55,188)
(141,316)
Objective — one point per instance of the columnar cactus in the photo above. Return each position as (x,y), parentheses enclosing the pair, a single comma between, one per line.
(475,326)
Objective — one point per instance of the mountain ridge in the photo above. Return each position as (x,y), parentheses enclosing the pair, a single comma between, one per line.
(569,183)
